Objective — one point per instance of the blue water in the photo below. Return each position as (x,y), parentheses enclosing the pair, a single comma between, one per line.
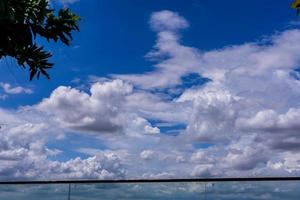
(222,191)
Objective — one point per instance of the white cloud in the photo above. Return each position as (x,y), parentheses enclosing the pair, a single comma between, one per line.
(213,114)
(288,162)
(169,71)
(202,171)
(162,175)
(202,157)
(65,2)
(8,89)
(101,166)
(98,111)
(245,159)
(147,154)
(141,124)
(247,115)
(24,153)
(250,98)
(270,120)
(167,20)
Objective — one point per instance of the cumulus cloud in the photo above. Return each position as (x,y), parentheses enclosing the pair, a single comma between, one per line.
(250,99)
(270,120)
(245,159)
(202,171)
(110,107)
(280,129)
(147,154)
(141,124)
(24,154)
(252,92)
(287,161)
(243,121)
(213,113)
(101,166)
(98,111)
(37,167)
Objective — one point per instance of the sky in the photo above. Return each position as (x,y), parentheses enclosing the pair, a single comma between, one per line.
(159,89)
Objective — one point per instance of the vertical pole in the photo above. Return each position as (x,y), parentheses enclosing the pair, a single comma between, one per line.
(205,197)
(69,192)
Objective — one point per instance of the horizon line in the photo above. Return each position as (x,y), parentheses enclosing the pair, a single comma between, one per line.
(175,180)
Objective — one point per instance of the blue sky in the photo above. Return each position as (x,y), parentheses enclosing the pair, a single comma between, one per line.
(115,36)
(159,89)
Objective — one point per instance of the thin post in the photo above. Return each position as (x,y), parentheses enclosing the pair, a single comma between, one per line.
(205,191)
(69,192)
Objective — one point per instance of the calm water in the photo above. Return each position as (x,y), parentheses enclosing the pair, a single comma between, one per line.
(226,191)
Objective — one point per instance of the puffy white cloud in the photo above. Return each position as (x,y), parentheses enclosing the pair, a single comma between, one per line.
(287,161)
(213,113)
(30,164)
(142,125)
(270,120)
(245,159)
(167,20)
(202,171)
(202,157)
(24,153)
(101,166)
(147,154)
(38,167)
(280,131)
(98,111)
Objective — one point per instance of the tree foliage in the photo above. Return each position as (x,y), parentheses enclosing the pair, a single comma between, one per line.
(21,21)
(296,5)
